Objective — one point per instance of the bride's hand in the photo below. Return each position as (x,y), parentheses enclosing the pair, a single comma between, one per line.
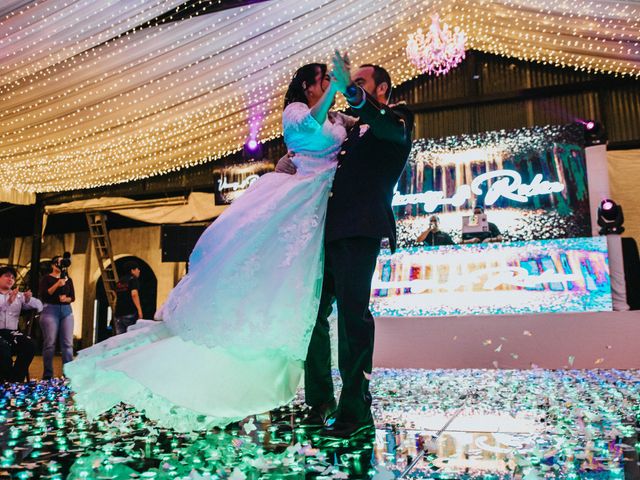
(341,74)
(286,165)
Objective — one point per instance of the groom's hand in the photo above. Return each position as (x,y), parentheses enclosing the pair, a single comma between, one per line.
(286,165)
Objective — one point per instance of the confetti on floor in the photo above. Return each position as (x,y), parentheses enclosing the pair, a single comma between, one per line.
(500,424)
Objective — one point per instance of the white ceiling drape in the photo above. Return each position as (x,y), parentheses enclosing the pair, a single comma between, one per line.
(197,207)
(82,104)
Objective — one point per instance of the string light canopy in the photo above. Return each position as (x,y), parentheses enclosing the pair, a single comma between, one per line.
(437,51)
(89,99)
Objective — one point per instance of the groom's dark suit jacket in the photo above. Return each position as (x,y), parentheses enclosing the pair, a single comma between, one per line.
(369,165)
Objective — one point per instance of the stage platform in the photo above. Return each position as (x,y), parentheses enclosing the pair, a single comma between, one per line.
(471,424)
(553,340)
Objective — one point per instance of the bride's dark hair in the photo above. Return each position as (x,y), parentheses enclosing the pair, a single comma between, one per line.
(305,74)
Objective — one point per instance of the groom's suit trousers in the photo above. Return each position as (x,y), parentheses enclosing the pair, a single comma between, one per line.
(349,267)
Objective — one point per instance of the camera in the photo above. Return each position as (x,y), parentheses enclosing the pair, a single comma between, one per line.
(63,263)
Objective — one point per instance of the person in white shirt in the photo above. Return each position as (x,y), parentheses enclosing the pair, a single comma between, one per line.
(12,341)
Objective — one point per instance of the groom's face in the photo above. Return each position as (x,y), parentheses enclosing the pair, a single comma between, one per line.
(363,77)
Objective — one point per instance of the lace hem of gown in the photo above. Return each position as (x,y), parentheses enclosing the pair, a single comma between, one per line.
(98,387)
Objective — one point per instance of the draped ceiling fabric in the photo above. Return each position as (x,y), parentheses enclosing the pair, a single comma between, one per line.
(197,207)
(88,100)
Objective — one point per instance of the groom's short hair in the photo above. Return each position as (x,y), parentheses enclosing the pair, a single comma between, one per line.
(380,75)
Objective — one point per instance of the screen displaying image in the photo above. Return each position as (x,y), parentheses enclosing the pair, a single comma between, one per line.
(494,223)
(233,180)
(562,275)
(531,183)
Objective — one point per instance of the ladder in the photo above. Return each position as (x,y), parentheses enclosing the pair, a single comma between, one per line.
(100,237)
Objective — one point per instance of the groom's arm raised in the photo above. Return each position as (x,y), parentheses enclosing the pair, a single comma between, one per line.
(389,124)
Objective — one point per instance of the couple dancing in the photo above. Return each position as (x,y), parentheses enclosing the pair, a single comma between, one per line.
(251,316)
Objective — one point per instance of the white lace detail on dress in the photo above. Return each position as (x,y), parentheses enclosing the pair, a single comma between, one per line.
(297,116)
(296,236)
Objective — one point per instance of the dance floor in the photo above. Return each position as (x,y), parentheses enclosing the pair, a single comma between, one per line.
(446,424)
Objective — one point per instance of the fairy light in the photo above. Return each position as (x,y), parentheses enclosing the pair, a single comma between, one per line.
(89,100)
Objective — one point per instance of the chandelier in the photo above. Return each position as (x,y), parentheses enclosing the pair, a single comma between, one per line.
(438,51)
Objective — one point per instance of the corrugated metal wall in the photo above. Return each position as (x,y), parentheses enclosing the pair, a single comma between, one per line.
(623,110)
(496,89)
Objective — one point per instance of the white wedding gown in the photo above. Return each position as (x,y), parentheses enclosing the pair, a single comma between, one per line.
(235,330)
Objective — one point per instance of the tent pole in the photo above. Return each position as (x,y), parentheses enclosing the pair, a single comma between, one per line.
(36,245)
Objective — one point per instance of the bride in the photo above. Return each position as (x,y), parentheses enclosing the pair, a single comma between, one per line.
(236,328)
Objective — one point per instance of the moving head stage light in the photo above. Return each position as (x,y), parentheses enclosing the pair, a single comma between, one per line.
(610,217)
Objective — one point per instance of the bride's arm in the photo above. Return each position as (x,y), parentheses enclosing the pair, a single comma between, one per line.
(319,110)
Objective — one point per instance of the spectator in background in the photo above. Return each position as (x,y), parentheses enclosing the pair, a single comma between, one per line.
(12,341)
(493,235)
(128,309)
(433,236)
(57,293)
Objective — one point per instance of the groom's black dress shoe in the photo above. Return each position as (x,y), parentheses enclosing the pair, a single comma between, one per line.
(342,429)
(318,415)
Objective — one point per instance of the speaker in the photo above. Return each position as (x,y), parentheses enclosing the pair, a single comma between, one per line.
(80,243)
(5,247)
(177,241)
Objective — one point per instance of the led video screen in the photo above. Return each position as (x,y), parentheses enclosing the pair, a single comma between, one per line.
(529,250)
(562,275)
(532,184)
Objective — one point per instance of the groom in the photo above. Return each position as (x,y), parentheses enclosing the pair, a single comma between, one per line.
(359,216)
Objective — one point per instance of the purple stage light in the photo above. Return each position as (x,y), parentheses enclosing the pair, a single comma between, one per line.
(610,217)
(252,144)
(594,133)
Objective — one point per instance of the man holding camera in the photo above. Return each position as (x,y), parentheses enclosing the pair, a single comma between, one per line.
(433,236)
(57,293)
(12,341)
